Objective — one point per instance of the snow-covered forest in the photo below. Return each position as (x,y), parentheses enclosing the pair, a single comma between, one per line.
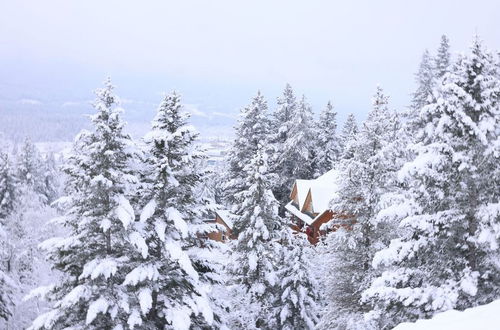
(146,233)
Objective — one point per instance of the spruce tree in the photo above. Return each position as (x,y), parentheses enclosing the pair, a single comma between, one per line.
(281,124)
(425,79)
(7,187)
(442,59)
(95,255)
(6,287)
(254,266)
(298,288)
(50,178)
(168,278)
(348,134)
(294,157)
(361,183)
(327,147)
(29,168)
(444,257)
(252,129)
(6,283)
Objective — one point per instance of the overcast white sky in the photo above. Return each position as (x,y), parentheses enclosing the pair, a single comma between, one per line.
(218,53)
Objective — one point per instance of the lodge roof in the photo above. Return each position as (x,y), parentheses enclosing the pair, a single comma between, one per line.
(227,217)
(321,191)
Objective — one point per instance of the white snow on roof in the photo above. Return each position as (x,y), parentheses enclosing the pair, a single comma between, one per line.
(323,189)
(485,317)
(303,187)
(227,217)
(302,216)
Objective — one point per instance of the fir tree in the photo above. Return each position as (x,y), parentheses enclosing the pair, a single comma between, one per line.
(425,78)
(328,144)
(281,125)
(254,265)
(169,277)
(294,155)
(252,129)
(444,257)
(361,182)
(442,60)
(349,131)
(95,255)
(29,173)
(6,285)
(7,187)
(50,178)
(298,288)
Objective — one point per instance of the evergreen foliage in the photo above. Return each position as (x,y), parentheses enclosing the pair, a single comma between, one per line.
(167,276)
(254,265)
(348,134)
(95,254)
(252,129)
(362,180)
(444,257)
(298,288)
(327,146)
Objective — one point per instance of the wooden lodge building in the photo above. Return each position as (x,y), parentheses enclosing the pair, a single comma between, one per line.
(309,209)
(224,221)
(309,206)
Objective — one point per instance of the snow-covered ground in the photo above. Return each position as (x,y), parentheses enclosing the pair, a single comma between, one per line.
(486,317)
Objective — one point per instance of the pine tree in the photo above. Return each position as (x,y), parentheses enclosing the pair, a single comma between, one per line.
(281,124)
(6,286)
(444,257)
(349,131)
(94,256)
(7,187)
(328,145)
(252,129)
(294,155)
(29,167)
(362,181)
(50,178)
(442,60)
(298,288)
(6,283)
(168,277)
(425,79)
(254,264)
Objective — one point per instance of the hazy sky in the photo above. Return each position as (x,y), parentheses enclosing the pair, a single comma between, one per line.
(218,53)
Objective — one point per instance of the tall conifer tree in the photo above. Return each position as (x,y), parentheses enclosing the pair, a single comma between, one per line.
(94,257)
(444,256)
(327,148)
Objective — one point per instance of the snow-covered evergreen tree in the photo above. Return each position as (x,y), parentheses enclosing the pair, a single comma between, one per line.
(27,226)
(442,59)
(254,265)
(281,124)
(51,178)
(294,155)
(446,254)
(348,133)
(298,287)
(7,187)
(362,181)
(29,168)
(94,256)
(425,79)
(5,295)
(252,129)
(167,274)
(6,283)
(327,147)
